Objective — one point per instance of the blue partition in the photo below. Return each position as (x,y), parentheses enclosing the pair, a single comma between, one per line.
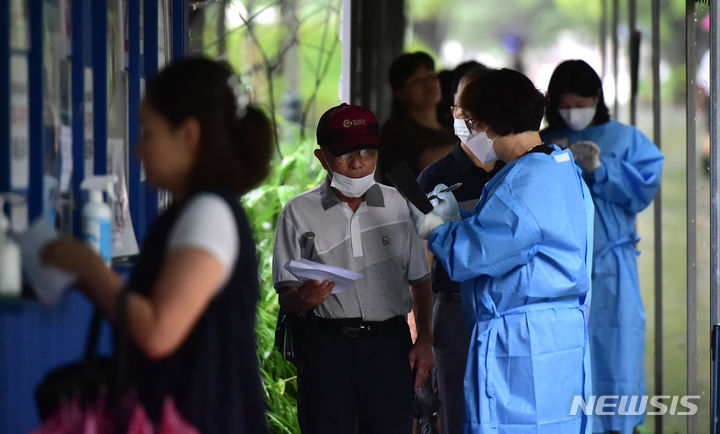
(36,338)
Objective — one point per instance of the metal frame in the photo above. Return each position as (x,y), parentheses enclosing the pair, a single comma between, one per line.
(691,201)
(78,106)
(99,61)
(714,214)
(35,110)
(5,95)
(657,212)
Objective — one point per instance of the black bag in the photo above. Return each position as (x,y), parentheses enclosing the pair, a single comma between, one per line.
(288,326)
(86,378)
(285,330)
(90,377)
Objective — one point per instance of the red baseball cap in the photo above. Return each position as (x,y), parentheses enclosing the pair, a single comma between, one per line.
(346,128)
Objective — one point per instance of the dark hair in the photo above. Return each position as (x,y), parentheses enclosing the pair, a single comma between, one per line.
(463,69)
(235,150)
(506,100)
(577,77)
(401,69)
(471,75)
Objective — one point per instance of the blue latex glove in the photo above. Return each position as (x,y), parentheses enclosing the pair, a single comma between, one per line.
(445,209)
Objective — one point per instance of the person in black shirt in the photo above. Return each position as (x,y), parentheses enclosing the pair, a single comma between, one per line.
(413,132)
(450,344)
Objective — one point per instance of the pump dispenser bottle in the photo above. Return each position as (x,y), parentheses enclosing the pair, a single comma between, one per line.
(97,216)
(10,259)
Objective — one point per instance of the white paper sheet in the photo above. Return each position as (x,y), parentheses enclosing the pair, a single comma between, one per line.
(305,269)
(66,157)
(49,283)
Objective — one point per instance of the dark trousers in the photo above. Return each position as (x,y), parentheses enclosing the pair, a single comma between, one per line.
(355,384)
(450,348)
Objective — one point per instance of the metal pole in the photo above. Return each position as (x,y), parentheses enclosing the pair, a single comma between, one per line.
(615,47)
(603,38)
(691,203)
(714,155)
(714,210)
(657,213)
(634,51)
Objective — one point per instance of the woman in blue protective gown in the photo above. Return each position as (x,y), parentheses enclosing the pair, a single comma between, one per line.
(622,168)
(523,259)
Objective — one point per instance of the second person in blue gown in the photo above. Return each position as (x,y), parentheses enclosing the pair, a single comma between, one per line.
(622,168)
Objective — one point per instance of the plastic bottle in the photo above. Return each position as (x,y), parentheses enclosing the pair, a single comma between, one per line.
(97,216)
(10,259)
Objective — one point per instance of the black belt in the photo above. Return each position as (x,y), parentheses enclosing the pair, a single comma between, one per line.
(356,327)
(449,296)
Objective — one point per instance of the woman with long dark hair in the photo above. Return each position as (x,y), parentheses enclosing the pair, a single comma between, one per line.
(622,168)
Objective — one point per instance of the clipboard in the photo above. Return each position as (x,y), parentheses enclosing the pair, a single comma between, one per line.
(405,182)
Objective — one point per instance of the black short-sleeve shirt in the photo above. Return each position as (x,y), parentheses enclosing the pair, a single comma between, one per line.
(453,168)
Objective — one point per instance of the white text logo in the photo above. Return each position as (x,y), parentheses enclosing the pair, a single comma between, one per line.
(633,405)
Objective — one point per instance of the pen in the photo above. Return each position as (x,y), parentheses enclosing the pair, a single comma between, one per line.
(451,188)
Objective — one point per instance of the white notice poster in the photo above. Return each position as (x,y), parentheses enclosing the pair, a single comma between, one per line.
(66,158)
(19,123)
(123,234)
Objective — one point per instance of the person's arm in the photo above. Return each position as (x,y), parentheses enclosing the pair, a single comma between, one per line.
(421,356)
(157,324)
(632,179)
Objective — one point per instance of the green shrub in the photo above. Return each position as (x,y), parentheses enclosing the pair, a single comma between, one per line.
(294,172)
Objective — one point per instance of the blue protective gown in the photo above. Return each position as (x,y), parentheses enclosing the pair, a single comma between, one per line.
(523,259)
(623,185)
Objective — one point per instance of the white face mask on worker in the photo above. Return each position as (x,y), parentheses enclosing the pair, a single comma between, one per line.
(482,147)
(577,118)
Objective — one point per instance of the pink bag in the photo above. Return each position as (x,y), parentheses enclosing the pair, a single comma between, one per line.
(71,417)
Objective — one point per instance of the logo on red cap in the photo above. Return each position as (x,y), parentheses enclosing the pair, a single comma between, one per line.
(347,123)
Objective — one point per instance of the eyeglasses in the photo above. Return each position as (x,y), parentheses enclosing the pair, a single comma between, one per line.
(364,154)
(469,124)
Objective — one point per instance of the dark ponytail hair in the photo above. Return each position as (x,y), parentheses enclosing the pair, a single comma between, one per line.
(574,76)
(235,147)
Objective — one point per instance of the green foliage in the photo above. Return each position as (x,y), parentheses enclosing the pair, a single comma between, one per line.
(294,173)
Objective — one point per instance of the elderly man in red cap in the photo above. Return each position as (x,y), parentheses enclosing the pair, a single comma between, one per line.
(356,362)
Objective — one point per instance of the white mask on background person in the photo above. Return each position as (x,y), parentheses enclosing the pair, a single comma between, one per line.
(577,118)
(350,187)
(482,147)
(461,130)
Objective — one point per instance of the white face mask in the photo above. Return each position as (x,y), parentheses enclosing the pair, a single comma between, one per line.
(461,130)
(350,187)
(577,118)
(482,147)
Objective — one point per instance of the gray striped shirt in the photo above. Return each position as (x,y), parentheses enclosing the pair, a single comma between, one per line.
(378,241)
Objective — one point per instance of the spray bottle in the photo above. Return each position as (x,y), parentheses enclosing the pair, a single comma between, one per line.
(10,259)
(97,216)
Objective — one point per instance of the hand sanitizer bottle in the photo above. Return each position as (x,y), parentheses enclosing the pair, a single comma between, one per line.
(10,259)
(97,216)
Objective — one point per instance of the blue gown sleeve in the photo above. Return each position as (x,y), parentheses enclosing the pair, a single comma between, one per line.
(629,180)
(493,240)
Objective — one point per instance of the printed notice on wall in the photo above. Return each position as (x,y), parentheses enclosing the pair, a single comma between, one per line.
(66,158)
(123,234)
(89,130)
(19,123)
